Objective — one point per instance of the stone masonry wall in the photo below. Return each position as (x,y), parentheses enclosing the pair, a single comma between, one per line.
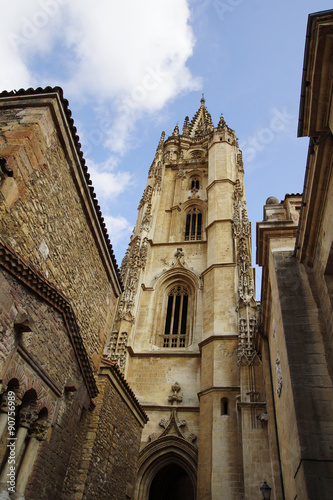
(310,385)
(51,350)
(106,451)
(43,216)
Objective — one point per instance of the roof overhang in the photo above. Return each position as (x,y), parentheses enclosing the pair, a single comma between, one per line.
(316,108)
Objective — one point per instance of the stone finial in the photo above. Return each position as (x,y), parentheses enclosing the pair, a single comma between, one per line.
(186,126)
(176,131)
(179,253)
(161,141)
(272,200)
(222,122)
(202,100)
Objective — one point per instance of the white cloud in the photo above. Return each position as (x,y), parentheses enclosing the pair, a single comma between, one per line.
(119,229)
(133,54)
(108,184)
(130,56)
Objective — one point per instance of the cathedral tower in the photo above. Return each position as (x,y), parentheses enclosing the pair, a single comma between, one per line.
(184,329)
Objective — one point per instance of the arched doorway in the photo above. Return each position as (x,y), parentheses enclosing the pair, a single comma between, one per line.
(171,482)
(167,470)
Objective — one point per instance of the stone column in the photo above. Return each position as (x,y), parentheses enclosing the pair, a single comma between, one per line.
(4,409)
(27,416)
(37,434)
(3,415)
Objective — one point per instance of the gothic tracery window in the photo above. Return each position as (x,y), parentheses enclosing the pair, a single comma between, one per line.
(175,331)
(193,226)
(194,183)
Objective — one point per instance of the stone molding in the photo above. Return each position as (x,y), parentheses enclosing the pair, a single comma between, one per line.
(113,372)
(31,277)
(163,352)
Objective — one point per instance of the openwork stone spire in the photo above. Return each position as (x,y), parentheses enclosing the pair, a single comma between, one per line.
(201,123)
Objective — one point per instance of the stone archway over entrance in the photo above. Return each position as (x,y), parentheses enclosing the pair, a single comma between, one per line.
(171,482)
(167,469)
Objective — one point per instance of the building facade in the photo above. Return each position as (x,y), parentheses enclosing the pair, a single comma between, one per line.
(72,422)
(165,379)
(188,319)
(294,246)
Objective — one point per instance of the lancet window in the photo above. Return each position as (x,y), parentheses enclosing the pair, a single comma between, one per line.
(193,226)
(175,331)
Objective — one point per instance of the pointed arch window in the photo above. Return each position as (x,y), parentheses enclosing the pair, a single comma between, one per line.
(193,226)
(175,330)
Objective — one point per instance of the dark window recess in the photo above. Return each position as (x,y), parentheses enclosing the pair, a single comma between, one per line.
(193,226)
(224,406)
(176,318)
(168,316)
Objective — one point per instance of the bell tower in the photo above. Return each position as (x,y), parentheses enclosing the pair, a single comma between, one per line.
(184,326)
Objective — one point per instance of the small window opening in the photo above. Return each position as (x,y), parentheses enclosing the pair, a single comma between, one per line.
(194,185)
(224,406)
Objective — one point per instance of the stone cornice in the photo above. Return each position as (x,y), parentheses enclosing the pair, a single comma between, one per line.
(148,407)
(112,370)
(251,404)
(177,243)
(220,181)
(316,88)
(267,230)
(163,353)
(235,388)
(218,221)
(36,282)
(215,266)
(213,338)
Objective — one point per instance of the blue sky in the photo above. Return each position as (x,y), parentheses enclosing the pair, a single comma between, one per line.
(132,69)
